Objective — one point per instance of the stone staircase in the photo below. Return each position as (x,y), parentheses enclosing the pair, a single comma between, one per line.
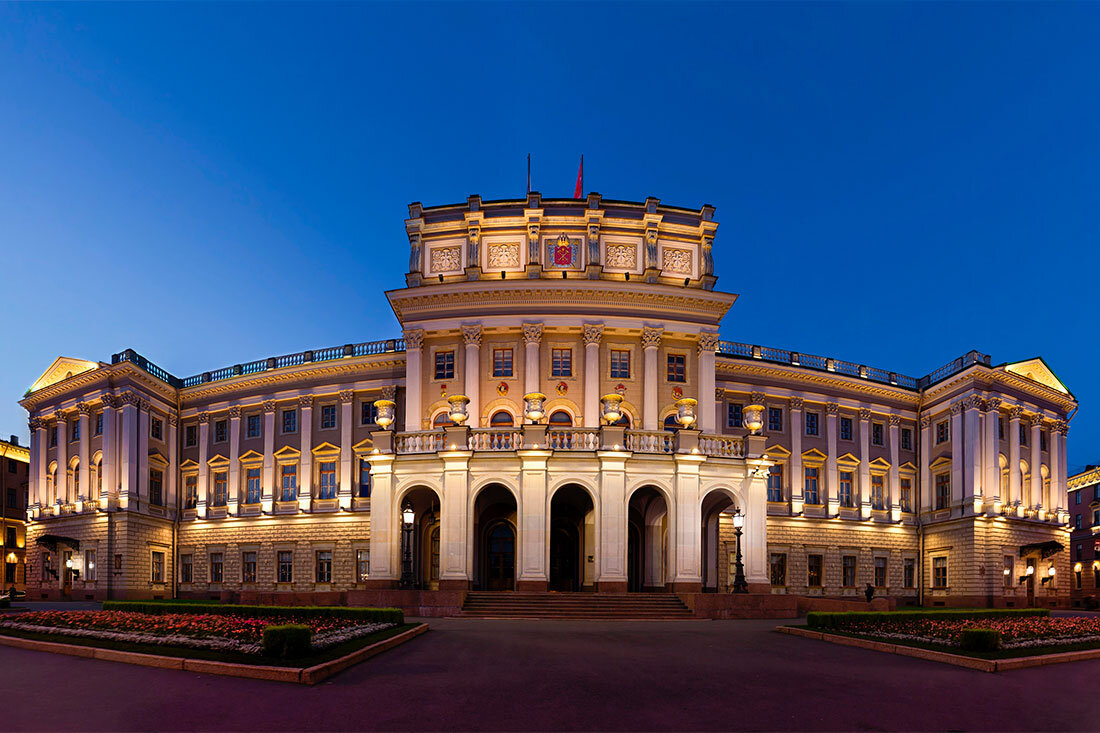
(624,606)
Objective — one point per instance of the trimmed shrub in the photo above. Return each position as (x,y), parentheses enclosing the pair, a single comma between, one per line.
(366,615)
(289,641)
(845,619)
(5,602)
(980,640)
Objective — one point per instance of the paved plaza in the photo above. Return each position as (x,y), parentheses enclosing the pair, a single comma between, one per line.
(568,675)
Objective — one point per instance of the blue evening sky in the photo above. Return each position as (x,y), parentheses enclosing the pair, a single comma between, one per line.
(208,184)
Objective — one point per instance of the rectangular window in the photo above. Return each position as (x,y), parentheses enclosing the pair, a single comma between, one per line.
(880,572)
(909,573)
(878,498)
(253,426)
(186,569)
(156,487)
(221,488)
(328,417)
(845,488)
(368,413)
(778,568)
(502,362)
(362,565)
(11,537)
(775,419)
(190,436)
(677,368)
(620,364)
(290,421)
(53,437)
(1095,517)
(248,567)
(942,432)
(906,439)
(13,500)
(190,492)
(158,567)
(877,433)
(89,565)
(1096,576)
(943,490)
(444,365)
(98,430)
(252,486)
(324,566)
(812,423)
(815,566)
(906,495)
(286,566)
(734,413)
(1077,521)
(939,572)
(216,567)
(561,363)
(1077,497)
(1077,578)
(848,571)
(156,428)
(364,478)
(775,483)
(845,428)
(13,466)
(1000,428)
(327,490)
(1042,440)
(221,431)
(1023,435)
(810,492)
(74,430)
(1078,552)
(289,481)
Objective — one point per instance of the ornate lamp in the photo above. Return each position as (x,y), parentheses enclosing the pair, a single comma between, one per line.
(612,407)
(533,406)
(458,412)
(385,410)
(408,516)
(685,411)
(740,585)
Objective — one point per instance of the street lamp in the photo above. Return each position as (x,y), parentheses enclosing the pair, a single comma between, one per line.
(408,515)
(739,584)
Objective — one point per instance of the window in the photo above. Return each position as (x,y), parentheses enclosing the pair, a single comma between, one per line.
(221,488)
(878,500)
(942,432)
(909,573)
(777,564)
(501,419)
(215,567)
(76,480)
(943,490)
(286,566)
(845,428)
(74,430)
(846,488)
(1077,497)
(939,572)
(328,417)
(1077,521)
(118,562)
(561,363)
(502,362)
(1023,435)
(158,567)
(364,478)
(368,413)
(290,421)
(98,429)
(848,571)
(1000,428)
(1095,517)
(906,495)
(734,414)
(221,431)
(53,437)
(444,365)
(1042,440)
(906,439)
(561,418)
(190,492)
(775,419)
(676,368)
(815,565)
(13,500)
(324,566)
(89,565)
(253,426)
(775,483)
(1095,575)
(362,565)
(812,420)
(156,428)
(1077,579)
(811,495)
(289,483)
(880,572)
(10,536)
(620,364)
(190,436)
(877,433)
(1078,552)
(248,567)
(156,487)
(252,486)
(186,569)
(13,467)
(328,480)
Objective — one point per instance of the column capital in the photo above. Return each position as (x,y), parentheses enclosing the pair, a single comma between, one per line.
(234,413)
(796,403)
(305,401)
(864,414)
(1015,412)
(269,406)
(958,407)
(36,423)
(414,338)
(204,418)
(708,342)
(83,408)
(389,392)
(593,332)
(347,395)
(832,408)
(651,337)
(173,419)
(62,416)
(895,420)
(720,394)
(532,333)
(925,421)
(757,398)
(974,402)
(993,404)
(129,398)
(109,401)
(472,335)
(1036,421)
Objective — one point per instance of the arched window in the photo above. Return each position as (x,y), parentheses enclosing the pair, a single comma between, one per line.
(561,419)
(623,421)
(671,423)
(442,420)
(501,419)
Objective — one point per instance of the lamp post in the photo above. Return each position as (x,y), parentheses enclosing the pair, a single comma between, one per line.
(408,516)
(739,583)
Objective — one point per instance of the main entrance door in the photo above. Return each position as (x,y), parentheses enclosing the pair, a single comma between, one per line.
(564,551)
(501,558)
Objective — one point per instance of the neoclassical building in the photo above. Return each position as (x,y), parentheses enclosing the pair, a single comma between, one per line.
(559,413)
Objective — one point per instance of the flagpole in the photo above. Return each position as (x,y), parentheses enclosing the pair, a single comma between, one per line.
(528,174)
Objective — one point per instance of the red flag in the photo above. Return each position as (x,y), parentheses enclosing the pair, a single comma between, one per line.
(578,192)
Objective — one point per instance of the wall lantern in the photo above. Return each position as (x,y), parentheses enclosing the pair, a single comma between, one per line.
(533,408)
(612,408)
(685,411)
(458,412)
(385,410)
(408,514)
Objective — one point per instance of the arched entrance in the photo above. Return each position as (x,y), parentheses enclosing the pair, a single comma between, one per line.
(495,532)
(718,540)
(647,541)
(572,539)
(420,546)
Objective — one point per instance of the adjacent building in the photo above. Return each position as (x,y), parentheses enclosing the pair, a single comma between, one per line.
(14,483)
(1084,506)
(559,412)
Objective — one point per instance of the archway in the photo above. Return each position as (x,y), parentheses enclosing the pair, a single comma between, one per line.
(494,528)
(422,552)
(647,541)
(718,539)
(572,539)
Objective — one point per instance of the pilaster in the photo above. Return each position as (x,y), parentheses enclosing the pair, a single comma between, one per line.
(305,430)
(109,464)
(958,455)
(865,463)
(534,552)
(708,346)
(454,520)
(593,332)
(233,501)
(1035,500)
(61,483)
(345,492)
(472,371)
(832,476)
(83,474)
(414,342)
(893,501)
(798,427)
(173,464)
(991,467)
(972,455)
(384,552)
(267,498)
(532,357)
(611,530)
(204,467)
(651,343)
(687,573)
(1015,495)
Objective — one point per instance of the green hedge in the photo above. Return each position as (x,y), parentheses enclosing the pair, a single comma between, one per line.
(980,640)
(368,615)
(845,619)
(289,641)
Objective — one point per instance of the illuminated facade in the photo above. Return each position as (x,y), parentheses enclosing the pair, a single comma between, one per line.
(1084,517)
(276,476)
(14,488)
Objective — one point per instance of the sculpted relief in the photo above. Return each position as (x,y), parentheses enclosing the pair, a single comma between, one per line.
(503,256)
(676,261)
(622,256)
(446,259)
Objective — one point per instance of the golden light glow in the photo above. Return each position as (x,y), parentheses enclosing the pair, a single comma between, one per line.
(62,368)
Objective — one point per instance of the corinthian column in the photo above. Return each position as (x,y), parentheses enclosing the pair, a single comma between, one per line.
(708,345)
(472,336)
(651,343)
(1036,499)
(532,357)
(85,489)
(1015,496)
(414,378)
(593,332)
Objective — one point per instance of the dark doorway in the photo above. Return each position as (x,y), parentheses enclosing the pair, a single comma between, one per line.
(495,535)
(571,510)
(634,559)
(647,541)
(500,558)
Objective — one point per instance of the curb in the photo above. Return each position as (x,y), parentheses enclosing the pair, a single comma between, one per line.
(297,675)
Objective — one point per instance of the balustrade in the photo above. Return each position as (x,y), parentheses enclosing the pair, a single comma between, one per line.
(573,438)
(640,441)
(495,439)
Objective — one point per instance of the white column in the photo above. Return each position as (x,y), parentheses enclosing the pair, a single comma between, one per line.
(270,490)
(173,462)
(958,453)
(972,454)
(472,370)
(1054,446)
(109,465)
(85,488)
(865,463)
(798,427)
(926,489)
(688,519)
(593,332)
(454,521)
(893,501)
(1063,483)
(233,501)
(414,342)
(305,431)
(385,556)
(204,468)
(127,440)
(755,538)
(651,343)
(708,345)
(143,451)
(831,488)
(61,487)
(1036,498)
(344,493)
(611,529)
(1015,496)
(35,471)
(532,357)
(991,467)
(533,559)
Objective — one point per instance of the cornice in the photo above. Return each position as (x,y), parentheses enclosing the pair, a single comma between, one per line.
(105,377)
(1086,478)
(18,452)
(733,367)
(988,378)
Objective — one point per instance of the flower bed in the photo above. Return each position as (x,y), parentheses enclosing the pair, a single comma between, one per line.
(220,632)
(1017,632)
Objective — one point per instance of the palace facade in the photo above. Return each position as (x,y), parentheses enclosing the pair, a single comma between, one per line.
(559,413)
